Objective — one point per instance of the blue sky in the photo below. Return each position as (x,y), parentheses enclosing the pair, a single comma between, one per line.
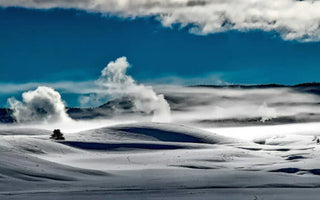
(58,45)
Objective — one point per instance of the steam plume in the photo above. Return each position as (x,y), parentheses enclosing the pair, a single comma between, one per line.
(43,104)
(117,83)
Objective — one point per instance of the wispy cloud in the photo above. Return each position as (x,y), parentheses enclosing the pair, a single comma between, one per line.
(292,19)
(65,86)
(210,79)
(91,86)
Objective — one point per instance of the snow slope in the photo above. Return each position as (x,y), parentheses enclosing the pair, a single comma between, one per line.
(156,161)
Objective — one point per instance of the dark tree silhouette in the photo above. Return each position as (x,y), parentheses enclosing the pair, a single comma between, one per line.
(57,135)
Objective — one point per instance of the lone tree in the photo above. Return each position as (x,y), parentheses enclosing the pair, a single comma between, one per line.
(57,135)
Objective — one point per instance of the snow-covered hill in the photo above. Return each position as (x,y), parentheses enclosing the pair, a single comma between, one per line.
(154,160)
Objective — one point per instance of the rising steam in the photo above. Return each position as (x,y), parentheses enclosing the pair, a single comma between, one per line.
(41,105)
(116,83)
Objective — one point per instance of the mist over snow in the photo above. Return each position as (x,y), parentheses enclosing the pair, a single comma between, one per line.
(114,83)
(201,104)
(292,19)
(41,105)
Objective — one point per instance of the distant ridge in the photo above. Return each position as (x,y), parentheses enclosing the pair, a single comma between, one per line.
(307,84)
(272,85)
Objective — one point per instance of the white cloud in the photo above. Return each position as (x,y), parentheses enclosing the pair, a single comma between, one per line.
(293,19)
